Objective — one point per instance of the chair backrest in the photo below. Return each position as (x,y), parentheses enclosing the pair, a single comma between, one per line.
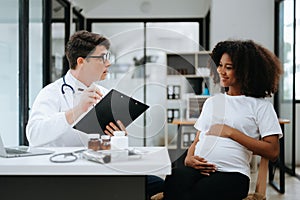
(261,181)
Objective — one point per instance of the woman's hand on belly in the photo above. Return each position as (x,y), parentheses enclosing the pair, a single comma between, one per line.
(201,164)
(221,130)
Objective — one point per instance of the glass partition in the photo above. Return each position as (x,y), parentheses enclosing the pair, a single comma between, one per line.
(126,74)
(139,69)
(58,39)
(286,40)
(297,86)
(163,38)
(9,82)
(297,74)
(35,49)
(58,50)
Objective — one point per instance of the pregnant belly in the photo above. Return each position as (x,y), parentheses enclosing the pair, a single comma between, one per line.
(223,152)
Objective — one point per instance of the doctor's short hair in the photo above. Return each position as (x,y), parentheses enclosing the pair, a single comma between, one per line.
(83,43)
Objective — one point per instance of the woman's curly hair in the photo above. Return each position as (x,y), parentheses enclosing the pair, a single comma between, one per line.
(256,68)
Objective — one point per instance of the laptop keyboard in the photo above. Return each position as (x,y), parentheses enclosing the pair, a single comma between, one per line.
(14,151)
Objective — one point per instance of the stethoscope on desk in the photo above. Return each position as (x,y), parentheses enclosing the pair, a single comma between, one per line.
(65,157)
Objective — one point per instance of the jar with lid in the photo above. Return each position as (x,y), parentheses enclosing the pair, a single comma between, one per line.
(94,142)
(119,140)
(105,142)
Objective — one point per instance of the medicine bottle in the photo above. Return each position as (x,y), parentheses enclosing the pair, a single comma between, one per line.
(105,142)
(119,140)
(94,142)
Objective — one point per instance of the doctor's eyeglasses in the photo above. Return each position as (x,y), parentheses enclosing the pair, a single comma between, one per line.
(104,57)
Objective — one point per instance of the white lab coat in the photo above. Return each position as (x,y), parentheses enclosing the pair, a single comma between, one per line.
(47,125)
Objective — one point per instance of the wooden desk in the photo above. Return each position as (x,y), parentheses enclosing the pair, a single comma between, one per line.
(280,163)
(37,178)
(184,122)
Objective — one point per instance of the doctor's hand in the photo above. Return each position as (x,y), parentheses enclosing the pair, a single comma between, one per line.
(89,97)
(111,127)
(201,164)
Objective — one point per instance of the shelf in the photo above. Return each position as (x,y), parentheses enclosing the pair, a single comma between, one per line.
(195,76)
(194,106)
(181,64)
(187,138)
(187,63)
(190,73)
(172,147)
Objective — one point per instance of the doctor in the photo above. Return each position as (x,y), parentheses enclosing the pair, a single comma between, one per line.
(61,103)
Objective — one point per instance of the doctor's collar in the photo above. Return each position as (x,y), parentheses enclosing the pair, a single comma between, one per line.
(78,86)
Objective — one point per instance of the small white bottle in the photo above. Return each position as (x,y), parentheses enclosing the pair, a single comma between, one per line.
(105,142)
(119,140)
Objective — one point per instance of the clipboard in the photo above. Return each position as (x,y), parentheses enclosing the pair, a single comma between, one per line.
(112,107)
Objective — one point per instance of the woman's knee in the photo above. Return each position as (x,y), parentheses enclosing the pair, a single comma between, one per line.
(179,183)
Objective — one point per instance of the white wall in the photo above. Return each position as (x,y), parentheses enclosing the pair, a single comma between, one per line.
(242,19)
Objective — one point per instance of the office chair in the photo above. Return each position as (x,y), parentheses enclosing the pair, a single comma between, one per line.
(261,182)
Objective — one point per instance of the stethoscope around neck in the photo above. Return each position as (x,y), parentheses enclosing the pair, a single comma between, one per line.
(66,85)
(64,92)
(66,157)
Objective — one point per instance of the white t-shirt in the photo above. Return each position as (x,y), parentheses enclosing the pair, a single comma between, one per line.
(254,117)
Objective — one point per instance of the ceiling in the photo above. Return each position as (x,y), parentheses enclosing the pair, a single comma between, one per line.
(143,8)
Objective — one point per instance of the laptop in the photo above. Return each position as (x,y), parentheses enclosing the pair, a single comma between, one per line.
(21,151)
(114,106)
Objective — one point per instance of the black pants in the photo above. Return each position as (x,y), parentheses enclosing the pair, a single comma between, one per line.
(154,185)
(186,183)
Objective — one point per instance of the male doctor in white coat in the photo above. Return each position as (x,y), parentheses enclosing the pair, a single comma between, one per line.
(61,103)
